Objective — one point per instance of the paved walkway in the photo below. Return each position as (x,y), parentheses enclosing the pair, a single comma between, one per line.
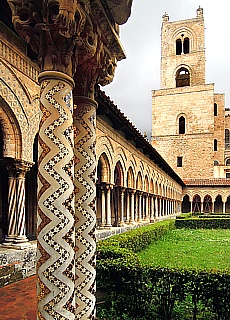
(18,300)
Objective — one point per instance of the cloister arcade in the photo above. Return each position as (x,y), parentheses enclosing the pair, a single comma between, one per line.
(206,202)
(127,196)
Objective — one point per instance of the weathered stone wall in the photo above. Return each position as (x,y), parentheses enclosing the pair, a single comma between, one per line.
(196,105)
(17,264)
(219,129)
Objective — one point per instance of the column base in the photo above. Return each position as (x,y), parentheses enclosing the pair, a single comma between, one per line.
(132,222)
(108,226)
(21,239)
(121,224)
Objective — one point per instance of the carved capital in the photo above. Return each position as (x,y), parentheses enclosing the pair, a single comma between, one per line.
(50,27)
(17,168)
(74,35)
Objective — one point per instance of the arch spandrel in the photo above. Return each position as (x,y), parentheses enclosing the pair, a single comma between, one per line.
(12,138)
(24,107)
(104,145)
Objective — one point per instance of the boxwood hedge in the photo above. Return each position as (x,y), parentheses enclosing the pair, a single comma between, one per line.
(130,290)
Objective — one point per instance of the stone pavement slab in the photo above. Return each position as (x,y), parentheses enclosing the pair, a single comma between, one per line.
(18,300)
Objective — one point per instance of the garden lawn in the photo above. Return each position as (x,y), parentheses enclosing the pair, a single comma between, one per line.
(188,248)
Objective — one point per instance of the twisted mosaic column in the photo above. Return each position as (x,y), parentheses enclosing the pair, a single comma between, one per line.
(12,200)
(17,169)
(85,210)
(56,239)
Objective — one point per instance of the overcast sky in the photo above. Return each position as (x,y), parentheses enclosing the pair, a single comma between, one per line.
(137,75)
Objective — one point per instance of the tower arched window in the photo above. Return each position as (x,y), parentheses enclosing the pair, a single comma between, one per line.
(181,125)
(186,45)
(215,109)
(182,78)
(215,145)
(178,47)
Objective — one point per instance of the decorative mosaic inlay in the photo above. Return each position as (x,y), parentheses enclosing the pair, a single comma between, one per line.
(56,240)
(84,143)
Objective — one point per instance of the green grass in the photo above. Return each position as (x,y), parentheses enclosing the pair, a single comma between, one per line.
(200,249)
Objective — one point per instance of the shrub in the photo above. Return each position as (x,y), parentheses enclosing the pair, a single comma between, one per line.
(204,223)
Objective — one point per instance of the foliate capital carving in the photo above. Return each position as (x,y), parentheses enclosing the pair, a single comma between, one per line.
(96,64)
(17,168)
(50,27)
(73,36)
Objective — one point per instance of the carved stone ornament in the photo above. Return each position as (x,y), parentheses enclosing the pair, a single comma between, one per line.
(120,10)
(68,35)
(51,28)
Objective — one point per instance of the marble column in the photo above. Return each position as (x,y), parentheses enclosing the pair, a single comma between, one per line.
(156,207)
(103,202)
(147,207)
(122,192)
(224,207)
(17,169)
(127,207)
(140,208)
(77,40)
(160,207)
(108,206)
(56,236)
(151,208)
(132,218)
(12,202)
(85,204)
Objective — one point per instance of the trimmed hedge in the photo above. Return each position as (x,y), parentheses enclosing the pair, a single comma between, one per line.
(130,290)
(137,239)
(203,223)
(147,292)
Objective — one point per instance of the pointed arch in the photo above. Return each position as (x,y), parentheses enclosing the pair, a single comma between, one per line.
(139,182)
(118,175)
(207,204)
(130,178)
(10,131)
(151,186)
(218,204)
(103,169)
(196,203)
(146,187)
(186,204)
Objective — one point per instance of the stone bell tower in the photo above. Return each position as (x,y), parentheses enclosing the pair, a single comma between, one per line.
(182,52)
(187,128)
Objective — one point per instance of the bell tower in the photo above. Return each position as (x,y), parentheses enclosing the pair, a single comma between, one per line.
(187,116)
(182,52)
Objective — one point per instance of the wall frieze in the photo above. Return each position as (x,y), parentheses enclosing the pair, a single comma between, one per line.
(18,60)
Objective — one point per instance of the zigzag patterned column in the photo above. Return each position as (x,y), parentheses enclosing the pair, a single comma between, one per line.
(85,200)
(56,238)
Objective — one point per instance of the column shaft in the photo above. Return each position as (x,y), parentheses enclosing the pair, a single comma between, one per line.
(85,204)
(56,241)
